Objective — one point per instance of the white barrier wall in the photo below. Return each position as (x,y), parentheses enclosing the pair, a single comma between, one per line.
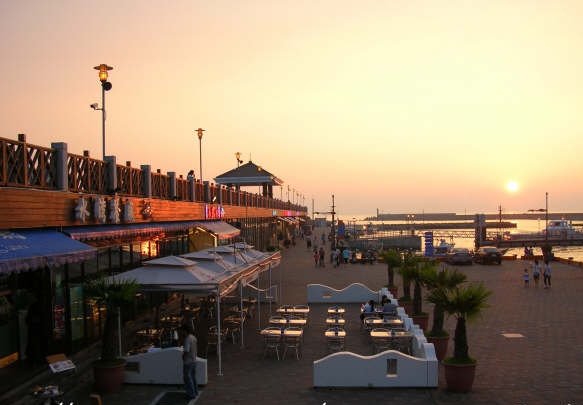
(163,366)
(387,369)
(354,293)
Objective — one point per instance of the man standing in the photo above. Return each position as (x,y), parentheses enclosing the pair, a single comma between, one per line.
(189,362)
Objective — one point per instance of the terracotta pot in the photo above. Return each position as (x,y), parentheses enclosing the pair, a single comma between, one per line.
(440,343)
(109,378)
(407,305)
(394,291)
(459,377)
(422,320)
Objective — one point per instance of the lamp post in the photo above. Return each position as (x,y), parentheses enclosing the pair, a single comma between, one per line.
(105,86)
(238,157)
(546,211)
(199,134)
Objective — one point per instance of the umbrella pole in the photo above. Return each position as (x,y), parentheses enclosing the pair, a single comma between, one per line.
(119,329)
(259,302)
(220,372)
(241,313)
(270,287)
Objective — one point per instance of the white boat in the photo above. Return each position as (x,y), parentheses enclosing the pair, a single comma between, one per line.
(561,228)
(442,248)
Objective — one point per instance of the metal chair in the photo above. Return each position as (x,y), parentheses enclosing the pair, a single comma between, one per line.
(335,343)
(272,343)
(293,342)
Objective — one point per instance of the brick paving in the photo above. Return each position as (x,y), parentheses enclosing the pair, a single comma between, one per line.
(545,366)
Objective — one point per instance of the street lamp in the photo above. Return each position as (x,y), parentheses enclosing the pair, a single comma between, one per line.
(546,211)
(238,157)
(105,86)
(199,134)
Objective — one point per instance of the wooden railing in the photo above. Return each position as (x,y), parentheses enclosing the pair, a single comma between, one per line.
(26,165)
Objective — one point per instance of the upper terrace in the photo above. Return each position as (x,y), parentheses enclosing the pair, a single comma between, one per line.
(25,166)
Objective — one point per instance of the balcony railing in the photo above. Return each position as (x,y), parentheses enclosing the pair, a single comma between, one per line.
(31,166)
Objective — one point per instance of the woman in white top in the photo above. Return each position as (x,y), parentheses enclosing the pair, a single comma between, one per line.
(547,274)
(536,272)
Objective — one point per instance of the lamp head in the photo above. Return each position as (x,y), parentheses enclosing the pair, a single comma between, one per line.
(238,156)
(103,68)
(199,133)
(94,106)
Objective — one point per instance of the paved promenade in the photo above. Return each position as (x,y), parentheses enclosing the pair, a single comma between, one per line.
(543,366)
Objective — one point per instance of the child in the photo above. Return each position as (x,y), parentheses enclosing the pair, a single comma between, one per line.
(526,277)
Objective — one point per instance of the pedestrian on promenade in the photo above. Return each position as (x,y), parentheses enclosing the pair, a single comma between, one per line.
(526,277)
(316,257)
(321,257)
(346,255)
(189,362)
(536,272)
(338,257)
(547,274)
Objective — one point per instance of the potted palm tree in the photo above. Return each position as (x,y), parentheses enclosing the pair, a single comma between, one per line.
(439,283)
(112,295)
(393,259)
(418,276)
(465,303)
(406,271)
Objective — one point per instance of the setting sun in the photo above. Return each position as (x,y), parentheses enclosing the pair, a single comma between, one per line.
(512,186)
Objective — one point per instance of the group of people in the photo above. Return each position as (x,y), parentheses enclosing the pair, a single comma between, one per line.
(536,273)
(386,307)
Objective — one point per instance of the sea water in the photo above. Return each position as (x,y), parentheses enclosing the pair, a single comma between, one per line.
(522,226)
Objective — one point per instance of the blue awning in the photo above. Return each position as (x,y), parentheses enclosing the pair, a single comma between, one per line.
(30,250)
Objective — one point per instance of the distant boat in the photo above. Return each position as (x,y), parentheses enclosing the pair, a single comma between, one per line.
(561,229)
(442,249)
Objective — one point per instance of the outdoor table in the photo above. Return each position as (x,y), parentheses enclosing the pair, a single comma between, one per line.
(234,319)
(150,334)
(379,322)
(173,320)
(288,309)
(333,333)
(336,310)
(397,340)
(286,332)
(289,322)
(335,321)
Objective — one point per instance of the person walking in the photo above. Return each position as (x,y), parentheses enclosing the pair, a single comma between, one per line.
(316,257)
(346,255)
(547,274)
(321,257)
(189,362)
(536,272)
(526,277)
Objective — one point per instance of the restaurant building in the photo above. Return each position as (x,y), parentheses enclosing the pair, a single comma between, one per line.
(64,217)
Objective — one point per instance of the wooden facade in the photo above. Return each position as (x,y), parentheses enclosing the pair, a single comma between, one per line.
(40,187)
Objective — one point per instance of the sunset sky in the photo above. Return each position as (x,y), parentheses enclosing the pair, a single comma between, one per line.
(404,106)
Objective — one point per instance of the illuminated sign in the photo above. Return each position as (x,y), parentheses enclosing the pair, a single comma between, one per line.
(214,211)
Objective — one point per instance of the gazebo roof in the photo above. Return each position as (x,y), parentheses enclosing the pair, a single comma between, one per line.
(248,174)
